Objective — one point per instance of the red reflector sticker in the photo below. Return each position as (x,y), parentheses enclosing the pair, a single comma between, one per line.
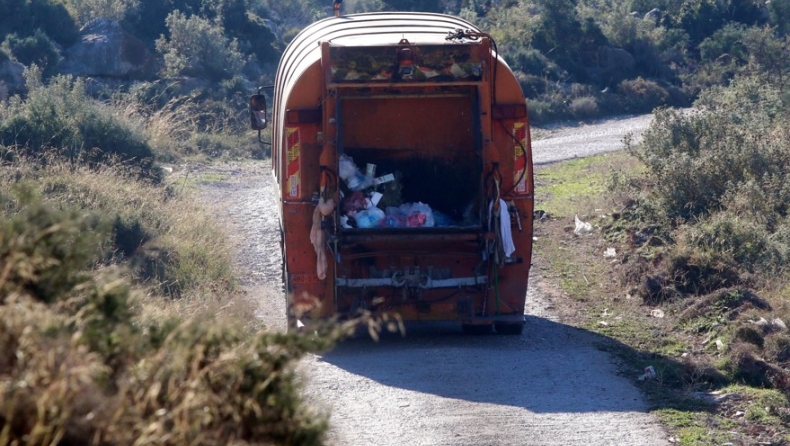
(292,161)
(520,164)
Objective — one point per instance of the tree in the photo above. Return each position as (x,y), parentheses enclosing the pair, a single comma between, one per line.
(37,49)
(24,17)
(197,47)
(86,10)
(561,36)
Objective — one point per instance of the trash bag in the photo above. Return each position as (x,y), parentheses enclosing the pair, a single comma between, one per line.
(354,203)
(418,215)
(348,171)
(395,218)
(369,218)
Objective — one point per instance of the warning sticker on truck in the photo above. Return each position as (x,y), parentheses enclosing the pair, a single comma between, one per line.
(520,165)
(292,161)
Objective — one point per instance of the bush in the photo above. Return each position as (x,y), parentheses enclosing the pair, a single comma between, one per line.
(24,17)
(86,10)
(75,339)
(547,108)
(720,179)
(250,30)
(746,241)
(145,225)
(61,116)
(641,95)
(197,47)
(532,86)
(36,49)
(533,62)
(733,150)
(46,252)
(584,107)
(726,41)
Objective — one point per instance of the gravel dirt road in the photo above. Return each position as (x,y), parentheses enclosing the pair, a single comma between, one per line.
(436,386)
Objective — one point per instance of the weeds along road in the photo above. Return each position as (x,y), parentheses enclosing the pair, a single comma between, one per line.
(436,386)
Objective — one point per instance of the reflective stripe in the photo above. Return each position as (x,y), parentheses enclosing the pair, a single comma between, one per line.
(292,169)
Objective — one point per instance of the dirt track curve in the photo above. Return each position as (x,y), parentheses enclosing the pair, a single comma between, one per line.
(436,386)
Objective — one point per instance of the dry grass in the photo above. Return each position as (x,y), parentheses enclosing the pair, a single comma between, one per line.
(188,126)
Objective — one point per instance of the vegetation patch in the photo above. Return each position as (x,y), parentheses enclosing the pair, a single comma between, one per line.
(694,284)
(118,313)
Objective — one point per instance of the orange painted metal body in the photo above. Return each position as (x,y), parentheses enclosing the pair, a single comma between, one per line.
(459,138)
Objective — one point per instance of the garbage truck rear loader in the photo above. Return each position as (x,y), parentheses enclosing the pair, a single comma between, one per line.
(401,153)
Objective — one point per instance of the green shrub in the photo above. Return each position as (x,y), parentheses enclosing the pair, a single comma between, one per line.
(61,116)
(743,240)
(101,372)
(731,156)
(642,95)
(249,29)
(584,107)
(145,227)
(45,251)
(533,62)
(36,49)
(86,10)
(197,47)
(75,339)
(720,178)
(548,107)
(532,86)
(739,50)
(727,41)
(24,17)
(780,17)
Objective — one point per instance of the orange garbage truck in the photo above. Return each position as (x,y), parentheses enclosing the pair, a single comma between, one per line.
(401,153)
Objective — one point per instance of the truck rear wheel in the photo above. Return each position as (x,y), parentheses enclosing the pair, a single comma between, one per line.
(290,316)
(509,329)
(476,329)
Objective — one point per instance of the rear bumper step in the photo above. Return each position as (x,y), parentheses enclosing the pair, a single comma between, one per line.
(501,319)
(424,282)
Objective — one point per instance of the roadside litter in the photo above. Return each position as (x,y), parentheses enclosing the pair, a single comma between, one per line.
(582,227)
(650,373)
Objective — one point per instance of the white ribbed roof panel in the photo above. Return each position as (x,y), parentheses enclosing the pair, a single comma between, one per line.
(372,29)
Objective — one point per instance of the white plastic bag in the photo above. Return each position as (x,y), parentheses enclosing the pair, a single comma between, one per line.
(349,172)
(369,218)
(418,215)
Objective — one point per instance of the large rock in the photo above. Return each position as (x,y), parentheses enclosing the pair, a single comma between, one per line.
(107,50)
(615,59)
(12,76)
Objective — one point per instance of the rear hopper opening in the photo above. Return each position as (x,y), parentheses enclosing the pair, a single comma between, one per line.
(429,144)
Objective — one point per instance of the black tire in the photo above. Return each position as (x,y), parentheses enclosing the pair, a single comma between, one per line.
(509,329)
(290,316)
(476,329)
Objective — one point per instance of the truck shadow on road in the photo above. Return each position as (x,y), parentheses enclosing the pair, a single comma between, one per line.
(550,368)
